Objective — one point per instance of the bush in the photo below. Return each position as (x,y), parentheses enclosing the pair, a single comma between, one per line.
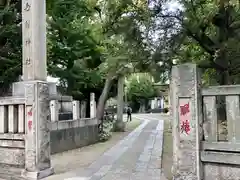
(165,110)
(106,129)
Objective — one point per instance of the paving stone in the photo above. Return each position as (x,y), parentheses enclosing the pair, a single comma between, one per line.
(136,157)
(154,164)
(141,167)
(103,170)
(138,176)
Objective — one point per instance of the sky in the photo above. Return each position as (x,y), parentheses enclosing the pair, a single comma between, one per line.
(173,5)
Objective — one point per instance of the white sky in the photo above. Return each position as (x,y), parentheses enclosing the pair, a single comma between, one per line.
(173,6)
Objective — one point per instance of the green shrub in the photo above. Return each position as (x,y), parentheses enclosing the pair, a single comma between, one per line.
(107,126)
(165,110)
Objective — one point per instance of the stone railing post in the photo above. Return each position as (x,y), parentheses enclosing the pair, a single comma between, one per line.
(187,120)
(3,119)
(54,110)
(76,110)
(92,105)
(83,109)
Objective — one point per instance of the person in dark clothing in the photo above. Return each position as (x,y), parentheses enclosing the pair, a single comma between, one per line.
(129,113)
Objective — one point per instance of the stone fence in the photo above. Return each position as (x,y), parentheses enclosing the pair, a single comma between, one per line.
(75,133)
(199,150)
(71,134)
(64,134)
(65,110)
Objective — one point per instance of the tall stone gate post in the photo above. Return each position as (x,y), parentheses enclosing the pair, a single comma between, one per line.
(120,125)
(187,121)
(36,90)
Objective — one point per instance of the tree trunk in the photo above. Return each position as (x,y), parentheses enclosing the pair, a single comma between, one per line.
(142,107)
(223,77)
(221,101)
(70,80)
(120,125)
(103,97)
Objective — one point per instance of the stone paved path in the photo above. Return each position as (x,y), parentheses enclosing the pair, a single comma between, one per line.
(136,157)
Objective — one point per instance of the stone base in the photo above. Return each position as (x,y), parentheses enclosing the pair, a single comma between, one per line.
(37,174)
(119,126)
(18,88)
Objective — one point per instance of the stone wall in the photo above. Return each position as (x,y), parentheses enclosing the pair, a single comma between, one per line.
(221,171)
(12,150)
(67,135)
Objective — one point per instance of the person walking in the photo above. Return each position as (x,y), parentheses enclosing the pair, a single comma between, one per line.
(129,113)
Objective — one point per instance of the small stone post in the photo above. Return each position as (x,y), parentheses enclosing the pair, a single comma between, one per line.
(120,125)
(155,102)
(76,110)
(152,104)
(37,137)
(54,110)
(187,120)
(92,105)
(162,102)
(83,109)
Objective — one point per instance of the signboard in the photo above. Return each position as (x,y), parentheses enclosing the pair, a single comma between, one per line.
(185,115)
(29,118)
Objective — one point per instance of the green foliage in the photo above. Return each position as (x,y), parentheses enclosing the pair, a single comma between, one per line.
(89,41)
(10,44)
(211,28)
(124,48)
(107,127)
(203,32)
(73,53)
(140,88)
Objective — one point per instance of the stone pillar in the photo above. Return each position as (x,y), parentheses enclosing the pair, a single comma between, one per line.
(120,125)
(155,102)
(92,106)
(83,109)
(169,101)
(54,110)
(125,94)
(37,137)
(187,120)
(162,102)
(152,104)
(76,110)
(34,40)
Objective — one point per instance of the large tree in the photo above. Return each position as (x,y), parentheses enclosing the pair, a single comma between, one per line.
(205,32)
(73,52)
(140,89)
(10,44)
(125,49)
